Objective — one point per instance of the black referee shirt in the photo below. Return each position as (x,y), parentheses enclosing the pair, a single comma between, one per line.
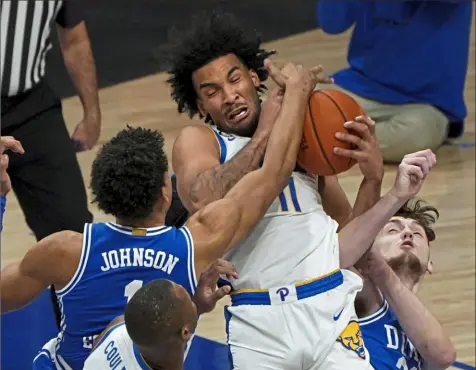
(25,31)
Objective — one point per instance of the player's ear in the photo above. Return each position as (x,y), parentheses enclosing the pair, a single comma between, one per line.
(429,267)
(166,189)
(186,333)
(254,78)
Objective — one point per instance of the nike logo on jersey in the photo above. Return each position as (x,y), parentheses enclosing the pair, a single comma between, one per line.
(336,317)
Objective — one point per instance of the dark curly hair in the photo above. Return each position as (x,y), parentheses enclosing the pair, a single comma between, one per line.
(211,36)
(128,173)
(422,213)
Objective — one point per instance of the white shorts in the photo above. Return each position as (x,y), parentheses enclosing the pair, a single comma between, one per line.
(298,327)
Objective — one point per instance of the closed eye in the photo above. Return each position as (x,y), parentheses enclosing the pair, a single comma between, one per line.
(392,231)
(210,93)
(235,78)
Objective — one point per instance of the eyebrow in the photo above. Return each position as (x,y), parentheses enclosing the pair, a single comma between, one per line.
(207,84)
(400,223)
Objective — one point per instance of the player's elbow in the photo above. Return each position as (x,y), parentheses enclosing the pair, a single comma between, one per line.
(440,355)
(446,357)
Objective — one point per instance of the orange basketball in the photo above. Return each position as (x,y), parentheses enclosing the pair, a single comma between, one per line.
(327,112)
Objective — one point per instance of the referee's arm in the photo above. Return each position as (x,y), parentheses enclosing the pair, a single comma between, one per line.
(79,61)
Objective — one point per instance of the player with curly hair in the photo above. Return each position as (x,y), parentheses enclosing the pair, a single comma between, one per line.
(292,300)
(97,272)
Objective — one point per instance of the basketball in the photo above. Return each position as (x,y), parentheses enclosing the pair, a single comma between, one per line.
(326,114)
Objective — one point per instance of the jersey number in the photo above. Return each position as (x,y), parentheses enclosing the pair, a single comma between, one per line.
(132,288)
(288,198)
(402,364)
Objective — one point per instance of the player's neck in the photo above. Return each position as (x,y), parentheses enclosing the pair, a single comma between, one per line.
(155,220)
(369,300)
(167,358)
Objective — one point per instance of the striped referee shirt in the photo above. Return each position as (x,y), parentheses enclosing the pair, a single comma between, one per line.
(25,31)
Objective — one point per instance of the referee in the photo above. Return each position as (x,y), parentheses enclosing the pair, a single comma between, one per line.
(47,179)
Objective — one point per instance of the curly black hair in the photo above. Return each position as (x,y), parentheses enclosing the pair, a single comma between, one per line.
(128,173)
(422,213)
(211,36)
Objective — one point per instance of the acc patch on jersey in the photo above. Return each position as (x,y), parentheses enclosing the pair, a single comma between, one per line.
(351,339)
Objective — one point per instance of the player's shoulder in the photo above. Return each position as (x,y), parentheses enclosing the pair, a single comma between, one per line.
(197,142)
(66,239)
(114,325)
(195,134)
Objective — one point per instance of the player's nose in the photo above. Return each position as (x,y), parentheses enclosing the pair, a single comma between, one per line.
(230,95)
(407,234)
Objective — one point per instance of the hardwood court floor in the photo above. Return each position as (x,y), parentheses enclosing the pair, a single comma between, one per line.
(449,292)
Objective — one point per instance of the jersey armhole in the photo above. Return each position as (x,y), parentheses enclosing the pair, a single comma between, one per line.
(82,262)
(190,258)
(221,144)
(376,316)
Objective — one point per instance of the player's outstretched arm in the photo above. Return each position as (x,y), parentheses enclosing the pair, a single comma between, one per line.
(220,225)
(358,235)
(52,261)
(418,323)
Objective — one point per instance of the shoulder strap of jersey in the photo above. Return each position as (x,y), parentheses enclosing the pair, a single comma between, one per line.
(221,144)
(83,261)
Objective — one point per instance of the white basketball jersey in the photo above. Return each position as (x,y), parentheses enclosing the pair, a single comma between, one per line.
(115,351)
(296,240)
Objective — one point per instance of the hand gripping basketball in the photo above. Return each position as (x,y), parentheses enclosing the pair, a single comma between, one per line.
(412,172)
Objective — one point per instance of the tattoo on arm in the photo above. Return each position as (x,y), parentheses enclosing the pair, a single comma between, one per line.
(213,184)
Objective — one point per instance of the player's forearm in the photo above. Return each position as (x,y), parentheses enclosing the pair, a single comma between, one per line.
(369,194)
(79,61)
(286,136)
(358,235)
(216,182)
(420,326)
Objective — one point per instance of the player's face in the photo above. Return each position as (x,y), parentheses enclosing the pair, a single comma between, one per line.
(403,236)
(226,92)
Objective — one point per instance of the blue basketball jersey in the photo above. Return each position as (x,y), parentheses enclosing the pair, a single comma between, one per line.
(388,346)
(116,261)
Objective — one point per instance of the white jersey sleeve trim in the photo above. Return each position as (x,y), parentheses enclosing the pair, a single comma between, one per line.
(191,258)
(82,262)
(376,316)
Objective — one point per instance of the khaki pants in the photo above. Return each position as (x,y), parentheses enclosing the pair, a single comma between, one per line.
(403,129)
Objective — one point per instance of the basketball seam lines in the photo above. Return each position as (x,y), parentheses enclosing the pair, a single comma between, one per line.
(341,112)
(324,154)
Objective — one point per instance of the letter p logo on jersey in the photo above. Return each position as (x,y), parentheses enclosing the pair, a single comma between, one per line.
(283,294)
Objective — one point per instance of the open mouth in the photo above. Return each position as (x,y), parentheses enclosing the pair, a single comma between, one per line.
(237,115)
(407,244)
